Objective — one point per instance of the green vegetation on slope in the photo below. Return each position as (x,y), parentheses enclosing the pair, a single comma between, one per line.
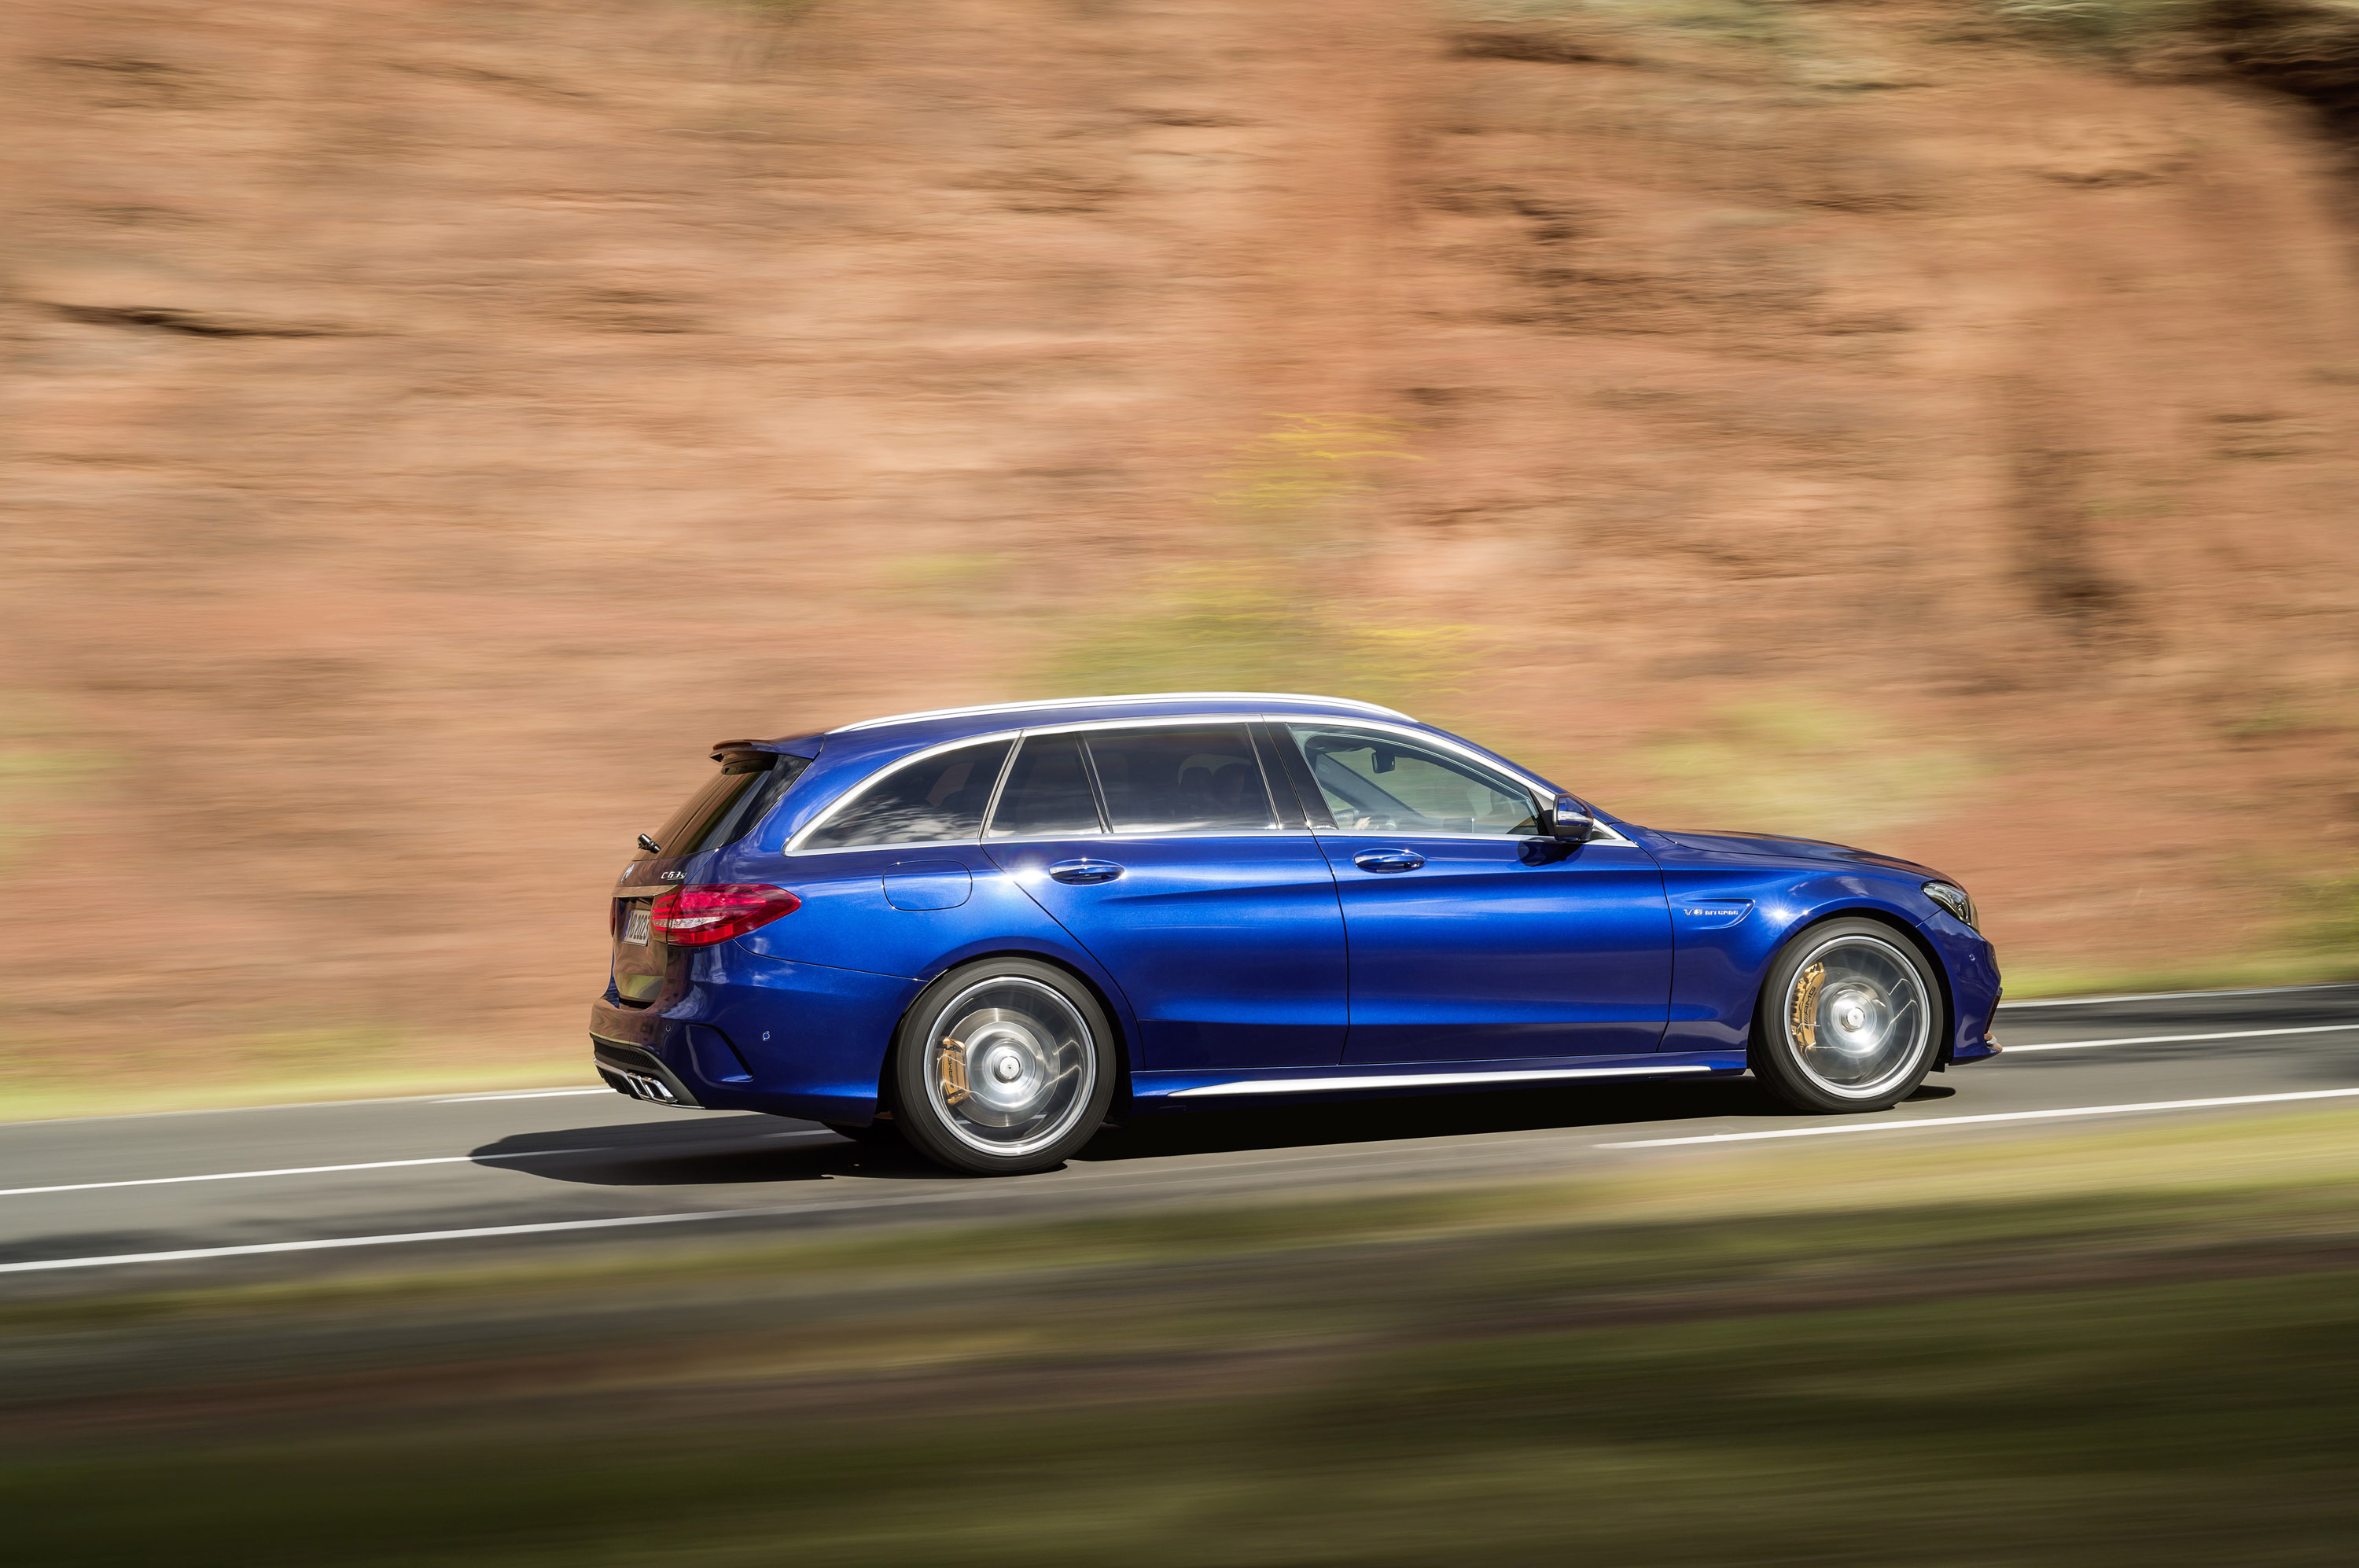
(1268,614)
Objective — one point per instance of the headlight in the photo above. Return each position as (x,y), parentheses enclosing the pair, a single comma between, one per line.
(1953,898)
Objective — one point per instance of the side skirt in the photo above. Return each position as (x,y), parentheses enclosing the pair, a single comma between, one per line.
(1149,1090)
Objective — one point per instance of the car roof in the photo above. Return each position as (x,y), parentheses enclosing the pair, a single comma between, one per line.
(900,731)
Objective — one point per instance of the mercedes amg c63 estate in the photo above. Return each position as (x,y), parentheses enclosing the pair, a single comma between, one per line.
(985,930)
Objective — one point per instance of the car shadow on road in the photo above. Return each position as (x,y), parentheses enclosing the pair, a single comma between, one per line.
(737,1150)
(1440,1116)
(705,1151)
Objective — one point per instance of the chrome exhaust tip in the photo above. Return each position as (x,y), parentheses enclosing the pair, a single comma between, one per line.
(638,1085)
(641,1086)
(634,1070)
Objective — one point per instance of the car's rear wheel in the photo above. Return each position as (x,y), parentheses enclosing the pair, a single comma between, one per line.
(1002,1066)
(1849,1019)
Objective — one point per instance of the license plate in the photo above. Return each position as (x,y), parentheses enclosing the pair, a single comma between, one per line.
(634,928)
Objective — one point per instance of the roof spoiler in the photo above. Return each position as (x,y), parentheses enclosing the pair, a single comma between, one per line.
(803,746)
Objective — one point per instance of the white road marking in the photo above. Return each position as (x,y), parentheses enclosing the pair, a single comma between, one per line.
(434,1099)
(519,1094)
(288,1170)
(368,1165)
(253,1249)
(949,1194)
(2175,1039)
(1908,1124)
(1116,1182)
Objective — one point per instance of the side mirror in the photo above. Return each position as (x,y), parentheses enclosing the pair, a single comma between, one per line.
(1568,819)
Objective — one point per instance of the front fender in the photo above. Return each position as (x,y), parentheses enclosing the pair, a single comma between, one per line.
(1728,924)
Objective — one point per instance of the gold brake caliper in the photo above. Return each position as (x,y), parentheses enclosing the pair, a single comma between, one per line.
(953,1068)
(1806,1004)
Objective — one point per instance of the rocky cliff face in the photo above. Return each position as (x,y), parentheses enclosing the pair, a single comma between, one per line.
(428,425)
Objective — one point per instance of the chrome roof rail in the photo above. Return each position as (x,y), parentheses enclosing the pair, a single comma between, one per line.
(1134,697)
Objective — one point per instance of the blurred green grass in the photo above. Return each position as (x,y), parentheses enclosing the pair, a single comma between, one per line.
(44,766)
(2107,25)
(42,1079)
(1807,764)
(2122,1347)
(1257,609)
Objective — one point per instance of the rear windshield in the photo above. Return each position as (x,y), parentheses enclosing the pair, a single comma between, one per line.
(730,802)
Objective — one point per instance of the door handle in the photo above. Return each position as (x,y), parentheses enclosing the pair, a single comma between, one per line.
(1388,860)
(1083,873)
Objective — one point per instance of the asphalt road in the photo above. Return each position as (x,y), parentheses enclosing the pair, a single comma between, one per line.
(299,1191)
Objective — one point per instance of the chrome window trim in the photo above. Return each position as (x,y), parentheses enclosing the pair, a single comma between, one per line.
(844,802)
(1607,833)
(1387,836)
(1257,833)
(1104,702)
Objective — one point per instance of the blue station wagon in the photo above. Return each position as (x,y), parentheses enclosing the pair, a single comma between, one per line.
(986,929)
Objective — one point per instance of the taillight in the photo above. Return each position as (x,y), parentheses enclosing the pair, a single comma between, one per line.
(700,917)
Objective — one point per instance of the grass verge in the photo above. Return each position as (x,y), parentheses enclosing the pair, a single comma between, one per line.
(39,1100)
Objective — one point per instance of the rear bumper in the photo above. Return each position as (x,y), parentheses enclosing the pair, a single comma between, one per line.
(740,1032)
(641,1075)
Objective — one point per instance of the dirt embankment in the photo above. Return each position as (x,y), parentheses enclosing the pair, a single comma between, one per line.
(428,424)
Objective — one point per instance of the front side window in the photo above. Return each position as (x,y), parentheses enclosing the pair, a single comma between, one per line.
(1375,783)
(1197,779)
(1048,792)
(937,799)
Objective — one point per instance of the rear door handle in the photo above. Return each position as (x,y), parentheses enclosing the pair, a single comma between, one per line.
(1081,873)
(1388,860)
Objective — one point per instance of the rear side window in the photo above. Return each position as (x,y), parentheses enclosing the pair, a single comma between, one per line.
(1048,791)
(730,804)
(935,799)
(1182,780)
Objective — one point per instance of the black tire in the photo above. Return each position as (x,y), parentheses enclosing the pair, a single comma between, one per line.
(1002,1066)
(1862,1033)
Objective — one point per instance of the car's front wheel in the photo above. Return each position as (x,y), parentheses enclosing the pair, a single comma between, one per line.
(1849,1019)
(1002,1066)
